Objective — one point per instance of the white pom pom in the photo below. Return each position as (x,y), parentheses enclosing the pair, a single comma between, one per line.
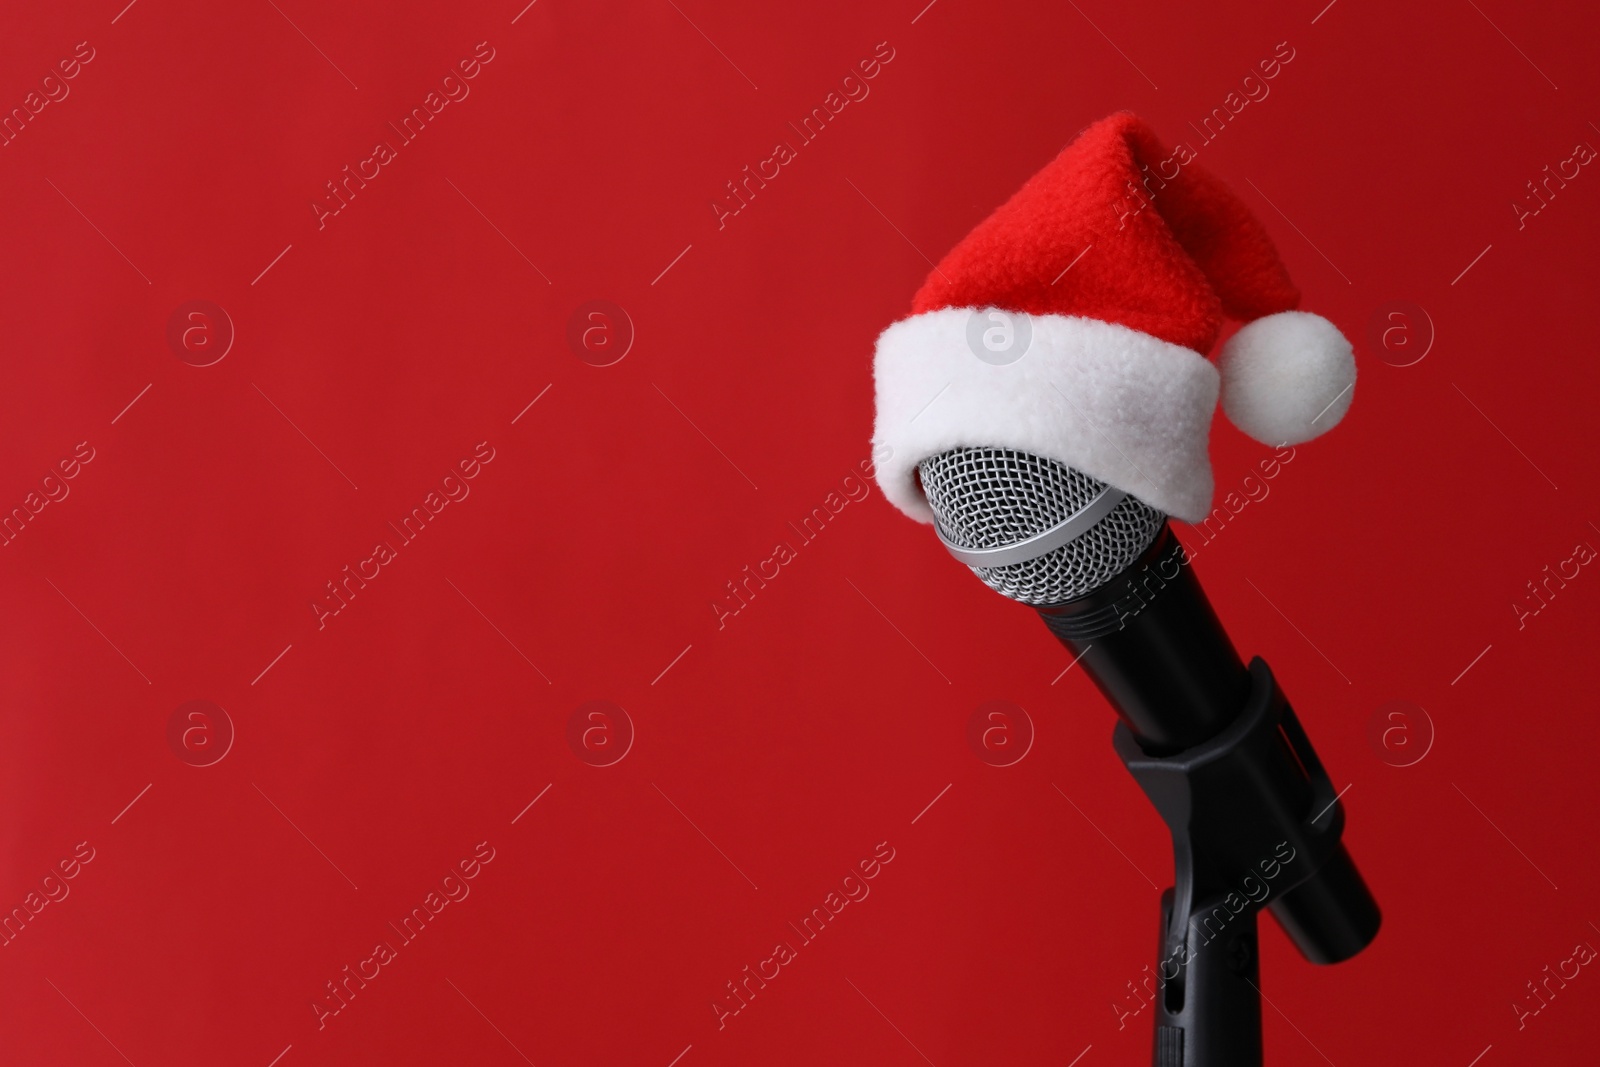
(1287,378)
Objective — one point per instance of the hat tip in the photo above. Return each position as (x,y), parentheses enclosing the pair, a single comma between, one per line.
(1287,378)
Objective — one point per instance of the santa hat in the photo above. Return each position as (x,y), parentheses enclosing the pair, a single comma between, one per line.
(1074,323)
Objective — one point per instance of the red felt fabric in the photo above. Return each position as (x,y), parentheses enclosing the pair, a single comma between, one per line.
(1120,229)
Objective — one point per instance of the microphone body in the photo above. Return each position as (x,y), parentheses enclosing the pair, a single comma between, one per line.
(1154,647)
(1213,743)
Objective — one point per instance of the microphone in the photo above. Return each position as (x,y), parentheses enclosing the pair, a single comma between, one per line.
(1046,404)
(1110,580)
(1044,534)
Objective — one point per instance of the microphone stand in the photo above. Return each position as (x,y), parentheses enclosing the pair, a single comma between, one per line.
(1255,820)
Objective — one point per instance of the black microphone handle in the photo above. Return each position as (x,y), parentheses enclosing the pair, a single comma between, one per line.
(1153,645)
(1156,649)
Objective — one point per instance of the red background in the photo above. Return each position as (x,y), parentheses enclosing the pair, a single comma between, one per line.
(825,716)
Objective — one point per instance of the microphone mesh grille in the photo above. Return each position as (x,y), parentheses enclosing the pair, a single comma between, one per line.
(993,497)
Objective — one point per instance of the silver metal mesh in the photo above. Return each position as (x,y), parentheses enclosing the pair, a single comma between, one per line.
(992,497)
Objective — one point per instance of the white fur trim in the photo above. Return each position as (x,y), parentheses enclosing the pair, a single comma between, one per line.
(1287,378)
(1115,403)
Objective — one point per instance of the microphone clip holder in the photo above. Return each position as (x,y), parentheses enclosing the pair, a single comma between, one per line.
(1255,825)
